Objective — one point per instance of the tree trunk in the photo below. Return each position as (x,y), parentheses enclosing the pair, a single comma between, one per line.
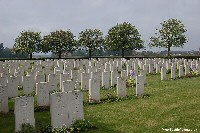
(31,55)
(168,52)
(59,54)
(90,53)
(122,53)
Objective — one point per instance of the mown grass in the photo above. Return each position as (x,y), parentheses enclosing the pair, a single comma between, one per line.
(169,104)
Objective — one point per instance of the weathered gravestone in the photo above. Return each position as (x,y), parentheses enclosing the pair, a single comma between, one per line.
(94,88)
(4,99)
(143,73)
(85,81)
(181,74)
(121,87)
(28,84)
(68,85)
(163,73)
(173,72)
(24,112)
(3,80)
(187,70)
(139,85)
(42,93)
(106,79)
(64,77)
(53,80)
(114,75)
(13,83)
(77,105)
(157,68)
(66,108)
(40,78)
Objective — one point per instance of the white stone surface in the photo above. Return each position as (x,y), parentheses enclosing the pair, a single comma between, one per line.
(40,78)
(106,79)
(181,74)
(61,115)
(84,81)
(139,85)
(24,111)
(64,77)
(77,105)
(28,84)
(143,73)
(3,80)
(42,93)
(114,75)
(163,73)
(13,83)
(121,87)
(68,85)
(94,90)
(4,99)
(173,72)
(187,70)
(157,68)
(53,80)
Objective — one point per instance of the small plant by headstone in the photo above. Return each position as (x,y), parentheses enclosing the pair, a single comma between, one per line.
(27,128)
(82,126)
(130,83)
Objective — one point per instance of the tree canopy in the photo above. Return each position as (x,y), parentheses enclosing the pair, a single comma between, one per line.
(124,37)
(27,42)
(91,39)
(171,34)
(58,42)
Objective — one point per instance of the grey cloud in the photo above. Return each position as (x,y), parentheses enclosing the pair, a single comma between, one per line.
(49,15)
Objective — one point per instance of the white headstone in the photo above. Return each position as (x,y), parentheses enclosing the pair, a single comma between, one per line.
(163,73)
(68,85)
(60,103)
(106,79)
(28,84)
(151,68)
(157,68)
(187,70)
(114,75)
(3,80)
(64,77)
(24,112)
(139,85)
(40,78)
(77,105)
(85,81)
(94,90)
(53,80)
(173,72)
(142,72)
(13,83)
(42,92)
(4,99)
(121,87)
(181,74)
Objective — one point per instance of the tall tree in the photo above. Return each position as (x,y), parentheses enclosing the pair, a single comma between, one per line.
(27,43)
(58,42)
(124,37)
(91,39)
(171,34)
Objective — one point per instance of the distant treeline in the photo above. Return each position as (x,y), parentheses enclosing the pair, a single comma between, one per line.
(7,53)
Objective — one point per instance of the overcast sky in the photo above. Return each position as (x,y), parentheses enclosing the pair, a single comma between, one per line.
(49,15)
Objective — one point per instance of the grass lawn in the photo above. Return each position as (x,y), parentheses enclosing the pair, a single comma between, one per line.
(169,104)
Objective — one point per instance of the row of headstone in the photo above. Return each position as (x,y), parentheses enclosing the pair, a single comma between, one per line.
(182,71)
(65,108)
